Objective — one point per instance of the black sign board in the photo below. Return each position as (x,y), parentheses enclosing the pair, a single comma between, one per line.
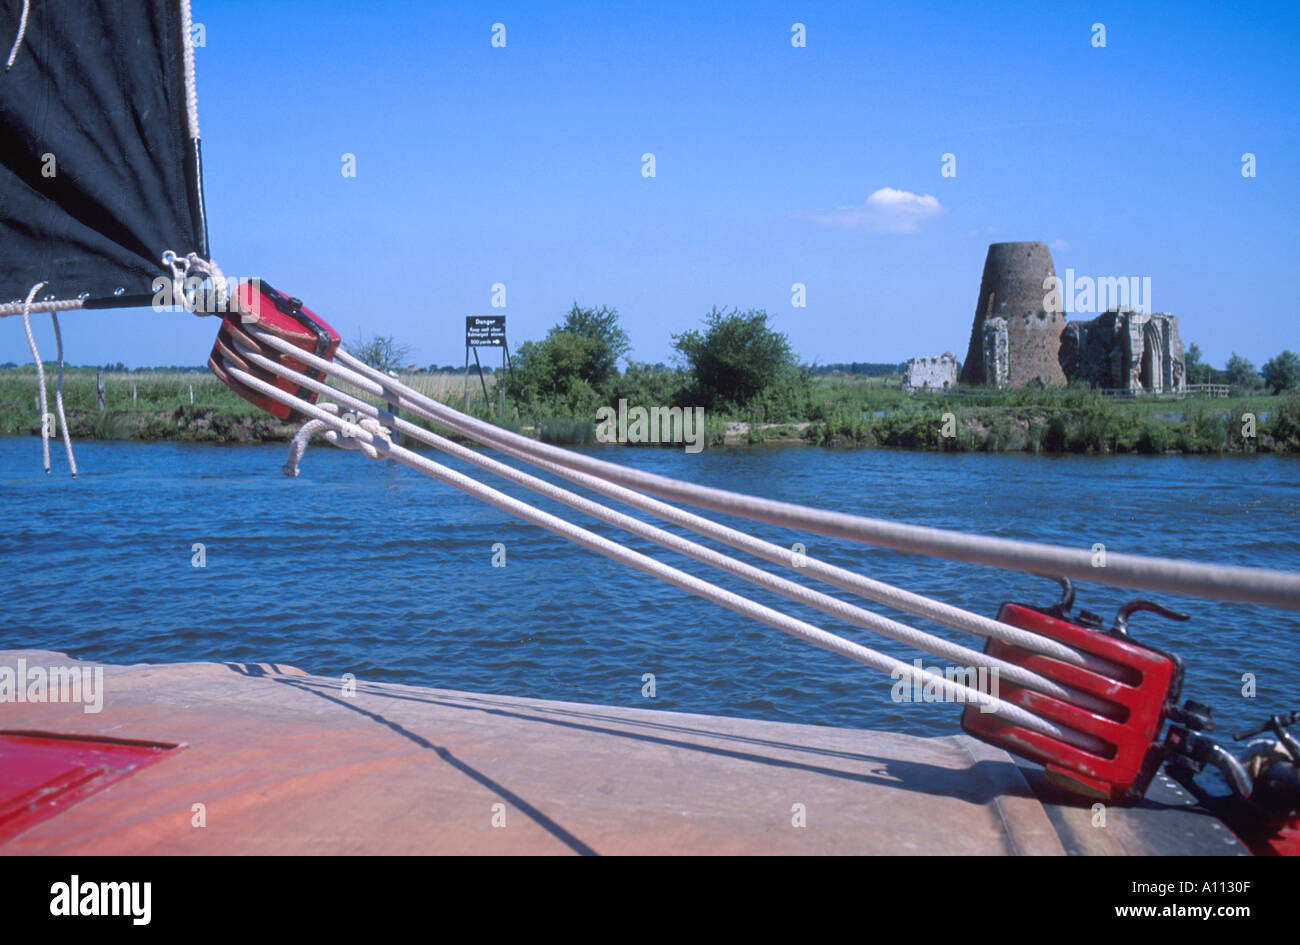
(485,331)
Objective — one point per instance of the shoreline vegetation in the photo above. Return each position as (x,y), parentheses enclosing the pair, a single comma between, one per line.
(834,409)
(736,370)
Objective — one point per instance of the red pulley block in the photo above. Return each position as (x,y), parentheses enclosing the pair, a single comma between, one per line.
(256,303)
(1138,691)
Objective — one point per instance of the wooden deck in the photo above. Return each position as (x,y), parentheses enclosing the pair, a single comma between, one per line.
(283,762)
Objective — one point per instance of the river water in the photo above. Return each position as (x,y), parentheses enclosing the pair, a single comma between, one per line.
(372,569)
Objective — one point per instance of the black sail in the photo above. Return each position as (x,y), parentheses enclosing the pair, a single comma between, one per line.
(99,171)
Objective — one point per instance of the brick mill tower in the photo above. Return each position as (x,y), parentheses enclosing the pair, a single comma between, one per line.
(1015,340)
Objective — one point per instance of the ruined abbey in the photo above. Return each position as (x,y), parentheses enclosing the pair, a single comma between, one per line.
(1130,351)
(1020,334)
(930,373)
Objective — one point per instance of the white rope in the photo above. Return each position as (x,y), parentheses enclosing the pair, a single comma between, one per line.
(824,602)
(309,429)
(40,385)
(40,376)
(191,87)
(209,269)
(50,305)
(1225,582)
(192,123)
(302,438)
(687,582)
(18,41)
(887,594)
(880,592)
(58,398)
(181,267)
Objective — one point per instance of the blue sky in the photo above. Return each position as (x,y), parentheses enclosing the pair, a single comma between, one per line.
(522,165)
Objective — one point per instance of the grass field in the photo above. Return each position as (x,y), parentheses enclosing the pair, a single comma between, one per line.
(165,404)
(876,412)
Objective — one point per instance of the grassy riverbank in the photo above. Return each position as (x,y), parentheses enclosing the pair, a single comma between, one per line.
(855,412)
(180,406)
(841,411)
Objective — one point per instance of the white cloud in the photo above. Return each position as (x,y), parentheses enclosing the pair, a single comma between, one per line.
(1060,244)
(885,211)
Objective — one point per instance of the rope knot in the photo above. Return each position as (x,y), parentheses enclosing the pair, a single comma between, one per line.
(376,448)
(182,267)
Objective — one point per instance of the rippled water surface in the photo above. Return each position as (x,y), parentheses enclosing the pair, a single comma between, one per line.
(372,569)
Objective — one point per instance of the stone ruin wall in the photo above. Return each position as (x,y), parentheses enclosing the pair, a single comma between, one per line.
(930,373)
(1034,343)
(1126,350)
(996,353)
(1023,350)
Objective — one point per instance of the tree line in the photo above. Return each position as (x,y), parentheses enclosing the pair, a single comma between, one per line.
(734,363)
(1280,373)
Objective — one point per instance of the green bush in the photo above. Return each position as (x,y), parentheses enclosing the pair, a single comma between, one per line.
(1240,373)
(546,376)
(1283,425)
(1282,373)
(649,385)
(736,358)
(786,399)
(605,341)
(564,373)
(1153,436)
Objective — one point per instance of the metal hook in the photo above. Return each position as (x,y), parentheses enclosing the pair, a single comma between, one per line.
(1120,629)
(1062,607)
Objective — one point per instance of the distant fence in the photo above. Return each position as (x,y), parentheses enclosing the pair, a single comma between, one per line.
(1206,390)
(88,388)
(1211,390)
